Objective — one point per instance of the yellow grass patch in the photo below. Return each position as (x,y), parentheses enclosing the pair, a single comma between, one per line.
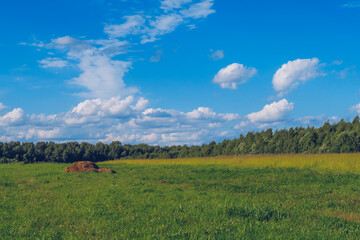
(342,163)
(349,217)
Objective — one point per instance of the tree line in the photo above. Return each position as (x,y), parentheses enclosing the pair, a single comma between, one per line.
(341,137)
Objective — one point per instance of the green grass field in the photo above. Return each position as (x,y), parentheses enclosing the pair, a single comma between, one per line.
(262,197)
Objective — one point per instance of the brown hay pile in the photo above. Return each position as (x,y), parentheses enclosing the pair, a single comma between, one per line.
(86,166)
(105,170)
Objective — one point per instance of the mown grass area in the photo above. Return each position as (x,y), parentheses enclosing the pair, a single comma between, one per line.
(211,200)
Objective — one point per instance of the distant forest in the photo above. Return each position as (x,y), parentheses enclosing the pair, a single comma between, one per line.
(341,137)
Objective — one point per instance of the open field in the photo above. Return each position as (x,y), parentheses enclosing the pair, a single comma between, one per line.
(253,197)
(337,163)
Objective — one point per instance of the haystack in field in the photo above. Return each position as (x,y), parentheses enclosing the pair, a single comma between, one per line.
(87,166)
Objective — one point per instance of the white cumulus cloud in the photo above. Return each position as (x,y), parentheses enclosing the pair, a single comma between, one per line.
(97,110)
(42,134)
(271,112)
(101,76)
(202,112)
(16,116)
(292,73)
(233,75)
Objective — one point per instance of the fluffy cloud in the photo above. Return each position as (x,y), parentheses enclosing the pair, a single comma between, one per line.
(43,134)
(53,63)
(217,55)
(201,112)
(157,113)
(271,112)
(233,75)
(97,110)
(100,75)
(15,117)
(292,73)
(99,107)
(272,115)
(141,104)
(152,137)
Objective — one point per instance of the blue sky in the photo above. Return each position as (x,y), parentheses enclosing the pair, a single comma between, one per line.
(174,71)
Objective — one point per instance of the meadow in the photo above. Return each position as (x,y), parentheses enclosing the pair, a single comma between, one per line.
(248,197)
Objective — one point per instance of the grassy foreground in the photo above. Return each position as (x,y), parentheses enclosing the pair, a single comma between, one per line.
(267,197)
